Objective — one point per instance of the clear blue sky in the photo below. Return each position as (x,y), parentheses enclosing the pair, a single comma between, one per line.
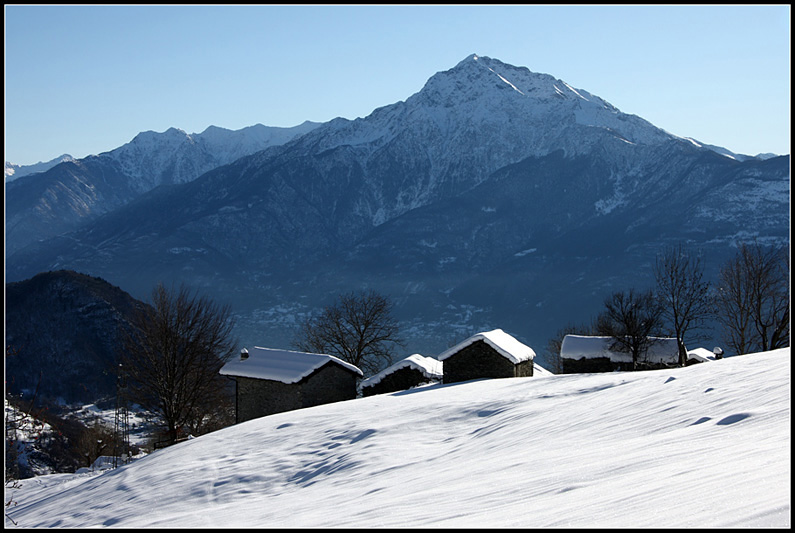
(86,79)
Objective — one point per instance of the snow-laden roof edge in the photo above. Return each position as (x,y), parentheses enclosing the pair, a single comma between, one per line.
(504,344)
(701,354)
(285,366)
(431,368)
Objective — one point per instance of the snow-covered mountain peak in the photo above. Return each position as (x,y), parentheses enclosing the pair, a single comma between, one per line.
(491,70)
(176,132)
(149,139)
(479,61)
(484,96)
(468,60)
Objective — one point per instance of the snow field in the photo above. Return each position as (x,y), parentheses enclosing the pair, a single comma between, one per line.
(702,446)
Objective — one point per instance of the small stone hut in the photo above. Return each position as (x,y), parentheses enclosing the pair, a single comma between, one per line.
(587,354)
(272,381)
(490,354)
(414,370)
(702,355)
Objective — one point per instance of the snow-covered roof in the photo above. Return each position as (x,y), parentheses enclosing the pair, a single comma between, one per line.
(281,365)
(701,354)
(663,349)
(430,367)
(504,344)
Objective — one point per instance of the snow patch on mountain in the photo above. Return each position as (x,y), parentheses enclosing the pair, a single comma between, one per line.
(750,192)
(728,153)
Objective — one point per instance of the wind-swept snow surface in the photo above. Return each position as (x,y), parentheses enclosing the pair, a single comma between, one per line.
(702,446)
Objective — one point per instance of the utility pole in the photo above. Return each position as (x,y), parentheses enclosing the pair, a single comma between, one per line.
(121,432)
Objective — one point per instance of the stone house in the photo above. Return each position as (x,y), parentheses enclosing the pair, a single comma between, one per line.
(414,370)
(702,355)
(269,381)
(586,354)
(490,354)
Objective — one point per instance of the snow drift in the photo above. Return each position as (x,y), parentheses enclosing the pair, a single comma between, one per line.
(702,446)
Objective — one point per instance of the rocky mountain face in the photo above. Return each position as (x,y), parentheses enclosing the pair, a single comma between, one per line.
(494,197)
(77,191)
(63,332)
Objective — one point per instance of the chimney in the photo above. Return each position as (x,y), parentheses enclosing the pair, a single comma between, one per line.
(718,351)
(243,354)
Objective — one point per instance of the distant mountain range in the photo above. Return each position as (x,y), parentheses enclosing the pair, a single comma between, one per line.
(13,172)
(75,191)
(494,197)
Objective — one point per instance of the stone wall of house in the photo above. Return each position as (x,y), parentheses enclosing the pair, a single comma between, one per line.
(330,383)
(586,365)
(654,366)
(401,379)
(524,369)
(479,360)
(261,397)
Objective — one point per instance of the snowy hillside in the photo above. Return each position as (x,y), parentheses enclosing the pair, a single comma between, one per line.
(702,446)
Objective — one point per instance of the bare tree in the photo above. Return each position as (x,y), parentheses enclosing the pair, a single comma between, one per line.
(358,328)
(173,355)
(683,292)
(753,297)
(631,319)
(94,441)
(17,418)
(555,343)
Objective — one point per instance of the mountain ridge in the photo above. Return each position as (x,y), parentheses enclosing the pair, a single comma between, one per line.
(75,191)
(459,202)
(13,171)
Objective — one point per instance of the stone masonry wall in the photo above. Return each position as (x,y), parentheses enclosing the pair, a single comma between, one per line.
(479,360)
(331,383)
(259,397)
(401,379)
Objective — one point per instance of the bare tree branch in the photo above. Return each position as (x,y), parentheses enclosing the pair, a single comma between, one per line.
(631,319)
(358,328)
(173,357)
(683,293)
(753,294)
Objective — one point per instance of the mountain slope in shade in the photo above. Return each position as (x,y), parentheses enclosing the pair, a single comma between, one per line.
(64,332)
(75,191)
(493,198)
